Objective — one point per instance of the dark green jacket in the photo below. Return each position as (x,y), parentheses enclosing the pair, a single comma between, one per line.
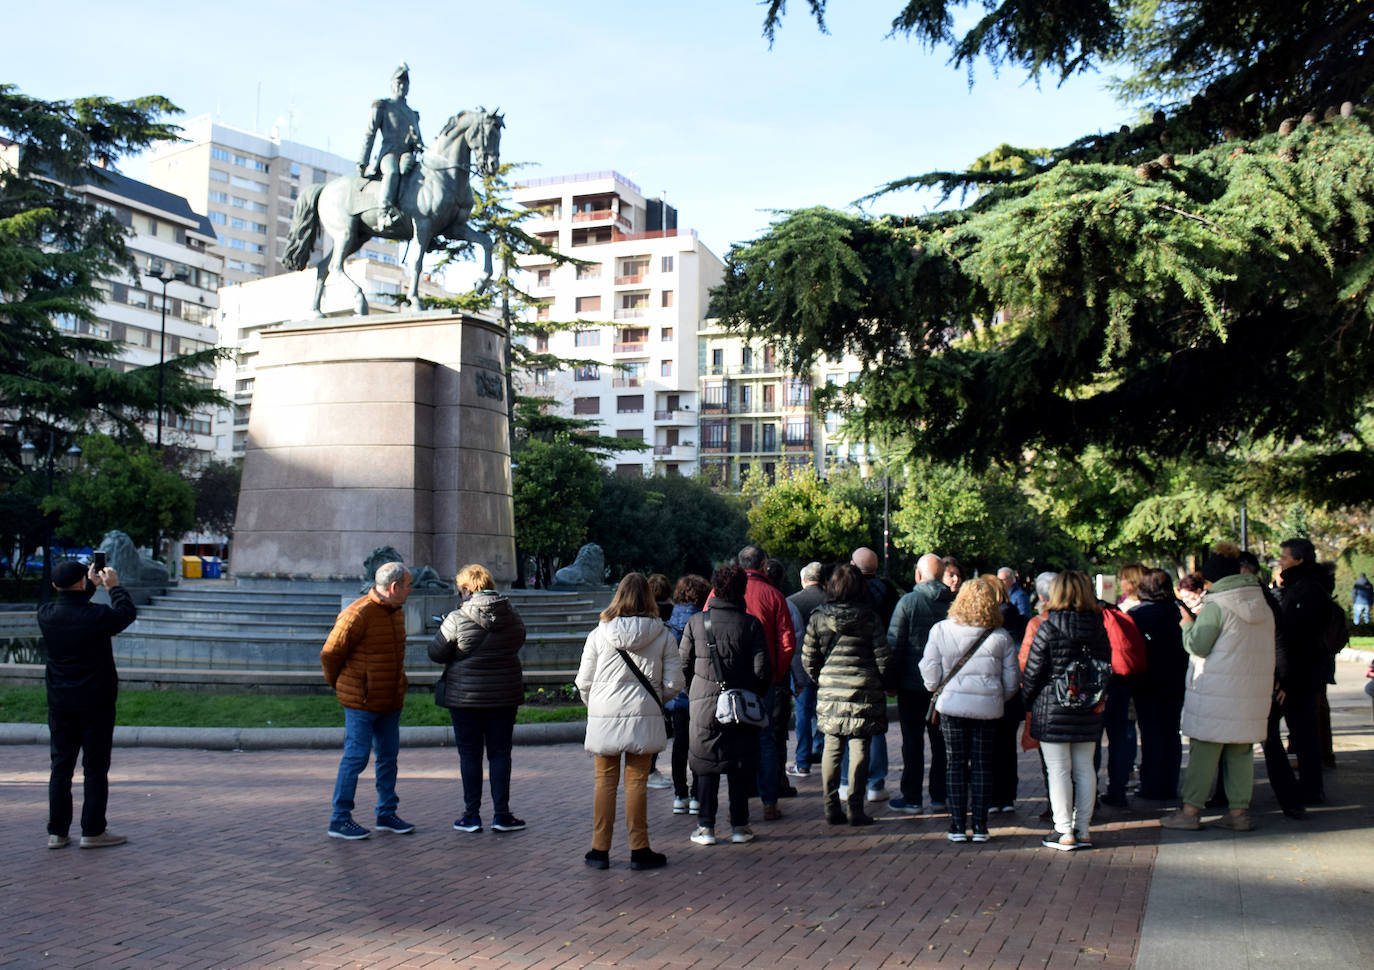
(847,656)
(916,613)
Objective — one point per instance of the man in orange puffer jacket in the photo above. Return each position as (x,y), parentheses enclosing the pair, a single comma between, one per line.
(364,661)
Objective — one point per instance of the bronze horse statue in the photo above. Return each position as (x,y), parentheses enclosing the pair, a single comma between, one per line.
(435,200)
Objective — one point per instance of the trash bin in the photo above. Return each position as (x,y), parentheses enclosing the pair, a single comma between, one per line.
(190,567)
(210,567)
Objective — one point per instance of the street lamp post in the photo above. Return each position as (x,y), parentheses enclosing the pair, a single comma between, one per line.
(28,455)
(164,274)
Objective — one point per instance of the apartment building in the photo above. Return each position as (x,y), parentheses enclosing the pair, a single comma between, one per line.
(170,240)
(756,415)
(638,303)
(247,184)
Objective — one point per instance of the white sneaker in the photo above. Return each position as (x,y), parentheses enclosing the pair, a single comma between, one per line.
(844,793)
(878,795)
(679,806)
(658,779)
(742,834)
(704,836)
(693,807)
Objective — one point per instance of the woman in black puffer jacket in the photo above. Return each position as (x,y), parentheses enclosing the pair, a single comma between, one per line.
(482,686)
(1071,631)
(845,652)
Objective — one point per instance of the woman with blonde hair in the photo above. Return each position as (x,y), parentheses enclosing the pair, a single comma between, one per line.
(970,667)
(482,685)
(1128,586)
(1064,685)
(629,667)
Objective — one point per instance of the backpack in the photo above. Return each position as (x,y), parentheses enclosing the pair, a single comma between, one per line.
(1082,684)
(1335,634)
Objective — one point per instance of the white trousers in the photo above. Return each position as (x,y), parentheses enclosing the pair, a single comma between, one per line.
(1073,784)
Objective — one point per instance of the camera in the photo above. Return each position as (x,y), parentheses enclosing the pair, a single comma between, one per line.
(98,561)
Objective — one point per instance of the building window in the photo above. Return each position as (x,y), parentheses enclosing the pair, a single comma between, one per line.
(630,404)
(541,375)
(770,437)
(589,304)
(544,277)
(586,405)
(543,312)
(218,154)
(666,264)
(667,299)
(769,396)
(630,434)
(666,334)
(665,369)
(216,196)
(592,272)
(586,338)
(295,170)
(718,357)
(587,372)
(250,184)
(798,393)
(746,358)
(541,344)
(217,176)
(796,432)
(217,218)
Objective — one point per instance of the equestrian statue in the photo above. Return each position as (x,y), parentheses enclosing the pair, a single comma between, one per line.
(394,198)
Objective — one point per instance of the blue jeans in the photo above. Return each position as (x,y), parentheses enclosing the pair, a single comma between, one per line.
(363,732)
(877,762)
(770,758)
(489,730)
(810,741)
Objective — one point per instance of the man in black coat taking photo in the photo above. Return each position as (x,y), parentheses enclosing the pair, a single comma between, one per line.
(82,686)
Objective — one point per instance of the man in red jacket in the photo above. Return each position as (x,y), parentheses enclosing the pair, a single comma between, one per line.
(765,603)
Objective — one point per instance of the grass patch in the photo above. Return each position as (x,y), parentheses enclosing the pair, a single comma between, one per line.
(177,708)
(1362,643)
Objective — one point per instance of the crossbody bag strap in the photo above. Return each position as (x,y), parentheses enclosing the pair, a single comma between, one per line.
(711,645)
(639,676)
(968,655)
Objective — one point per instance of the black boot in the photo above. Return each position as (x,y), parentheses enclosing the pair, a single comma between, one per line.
(598,858)
(647,859)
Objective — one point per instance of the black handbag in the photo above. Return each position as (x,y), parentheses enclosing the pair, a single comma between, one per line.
(639,676)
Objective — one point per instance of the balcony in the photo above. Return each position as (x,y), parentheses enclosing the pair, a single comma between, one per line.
(679,450)
(596,215)
(714,407)
(627,382)
(743,407)
(798,444)
(716,447)
(675,414)
(630,313)
(629,280)
(631,347)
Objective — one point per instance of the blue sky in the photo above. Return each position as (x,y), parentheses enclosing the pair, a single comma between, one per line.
(684,98)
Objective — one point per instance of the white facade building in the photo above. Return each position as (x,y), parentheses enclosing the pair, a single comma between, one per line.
(639,304)
(168,235)
(247,184)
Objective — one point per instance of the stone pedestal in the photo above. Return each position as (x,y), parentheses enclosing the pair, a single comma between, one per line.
(374,431)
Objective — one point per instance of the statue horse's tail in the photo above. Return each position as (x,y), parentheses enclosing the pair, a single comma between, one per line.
(305,226)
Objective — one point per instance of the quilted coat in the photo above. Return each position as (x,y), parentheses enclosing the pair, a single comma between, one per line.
(364,657)
(846,653)
(479,644)
(621,715)
(742,649)
(1062,637)
(981,687)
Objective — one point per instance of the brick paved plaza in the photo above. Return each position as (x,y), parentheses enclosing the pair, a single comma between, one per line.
(228,865)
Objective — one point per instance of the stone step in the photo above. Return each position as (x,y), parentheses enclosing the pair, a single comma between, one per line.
(209,613)
(284,651)
(258,601)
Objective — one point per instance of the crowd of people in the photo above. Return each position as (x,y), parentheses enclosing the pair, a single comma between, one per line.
(979,671)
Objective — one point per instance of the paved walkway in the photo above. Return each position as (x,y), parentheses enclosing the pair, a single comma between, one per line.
(228,866)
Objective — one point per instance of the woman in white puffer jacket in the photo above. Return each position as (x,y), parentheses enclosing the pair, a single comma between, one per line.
(623,718)
(972,701)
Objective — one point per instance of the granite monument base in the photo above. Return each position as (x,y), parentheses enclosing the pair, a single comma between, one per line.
(374,431)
